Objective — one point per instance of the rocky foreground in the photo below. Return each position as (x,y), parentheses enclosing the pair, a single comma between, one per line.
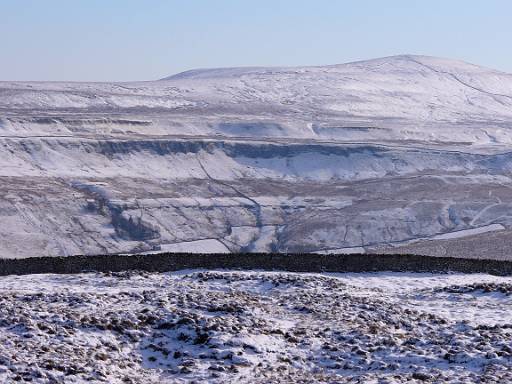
(256,327)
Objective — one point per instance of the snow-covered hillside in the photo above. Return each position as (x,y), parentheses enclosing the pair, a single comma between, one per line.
(394,98)
(405,152)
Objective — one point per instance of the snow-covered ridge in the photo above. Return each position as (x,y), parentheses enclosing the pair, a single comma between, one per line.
(400,98)
(392,63)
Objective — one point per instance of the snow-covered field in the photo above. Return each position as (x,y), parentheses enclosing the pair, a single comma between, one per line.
(255,327)
(398,154)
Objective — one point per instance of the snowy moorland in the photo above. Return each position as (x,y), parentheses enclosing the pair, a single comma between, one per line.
(400,154)
(255,327)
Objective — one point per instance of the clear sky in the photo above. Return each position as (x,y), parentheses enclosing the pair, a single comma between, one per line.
(99,40)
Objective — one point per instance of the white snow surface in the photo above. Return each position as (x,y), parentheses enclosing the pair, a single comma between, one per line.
(255,327)
(469,232)
(197,246)
(475,306)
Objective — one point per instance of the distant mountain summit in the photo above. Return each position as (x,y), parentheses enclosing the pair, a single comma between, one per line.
(398,62)
(215,72)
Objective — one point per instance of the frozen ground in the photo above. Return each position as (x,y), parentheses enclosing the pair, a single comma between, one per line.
(255,327)
(399,154)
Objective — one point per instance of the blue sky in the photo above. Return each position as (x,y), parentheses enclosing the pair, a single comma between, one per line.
(99,40)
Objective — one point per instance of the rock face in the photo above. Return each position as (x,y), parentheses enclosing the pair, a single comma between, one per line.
(400,154)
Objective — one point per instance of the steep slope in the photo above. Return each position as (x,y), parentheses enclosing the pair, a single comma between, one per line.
(395,152)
